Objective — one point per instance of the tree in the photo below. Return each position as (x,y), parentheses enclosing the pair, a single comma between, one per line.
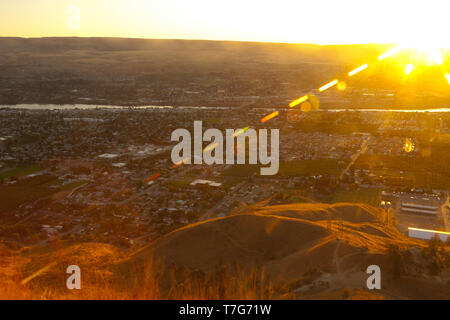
(395,260)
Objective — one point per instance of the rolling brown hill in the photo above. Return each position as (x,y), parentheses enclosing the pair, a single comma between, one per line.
(299,251)
(316,248)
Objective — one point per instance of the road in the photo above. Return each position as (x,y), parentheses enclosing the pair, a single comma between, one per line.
(363,149)
(227,199)
(444,212)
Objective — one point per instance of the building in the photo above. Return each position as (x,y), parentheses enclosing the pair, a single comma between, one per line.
(425,234)
(413,203)
(421,204)
(419,208)
(206,182)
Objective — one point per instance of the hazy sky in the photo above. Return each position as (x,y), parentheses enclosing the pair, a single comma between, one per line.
(323,21)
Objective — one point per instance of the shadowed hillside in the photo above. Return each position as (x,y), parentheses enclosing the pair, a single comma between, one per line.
(298,251)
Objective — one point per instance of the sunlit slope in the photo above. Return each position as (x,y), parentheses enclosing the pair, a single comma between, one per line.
(321,211)
(304,251)
(289,238)
(331,244)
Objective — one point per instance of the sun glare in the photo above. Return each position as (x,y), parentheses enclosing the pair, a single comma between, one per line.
(428,48)
(433,55)
(409,68)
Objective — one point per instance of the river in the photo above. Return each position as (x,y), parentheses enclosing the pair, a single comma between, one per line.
(93,107)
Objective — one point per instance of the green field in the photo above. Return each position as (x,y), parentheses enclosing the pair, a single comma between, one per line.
(72,185)
(32,189)
(310,167)
(19,171)
(403,163)
(180,183)
(368,196)
(292,168)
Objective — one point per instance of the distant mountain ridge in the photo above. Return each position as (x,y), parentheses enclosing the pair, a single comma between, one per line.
(120,71)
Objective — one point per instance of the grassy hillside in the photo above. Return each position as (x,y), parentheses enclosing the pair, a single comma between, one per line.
(301,251)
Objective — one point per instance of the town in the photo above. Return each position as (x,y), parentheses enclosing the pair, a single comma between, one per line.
(82,174)
(214,153)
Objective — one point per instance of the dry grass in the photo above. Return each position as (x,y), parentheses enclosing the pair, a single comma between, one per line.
(103,290)
(285,247)
(142,284)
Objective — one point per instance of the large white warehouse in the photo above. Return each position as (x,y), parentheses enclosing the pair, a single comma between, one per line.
(427,234)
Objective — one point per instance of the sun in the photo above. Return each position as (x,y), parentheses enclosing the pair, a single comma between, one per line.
(426,41)
(424,53)
(431,54)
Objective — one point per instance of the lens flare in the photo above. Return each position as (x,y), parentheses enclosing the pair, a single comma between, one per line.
(270,116)
(358,70)
(293,116)
(408,69)
(176,165)
(328,85)
(298,101)
(447,76)
(435,55)
(240,131)
(153,177)
(408,146)
(389,53)
(314,101)
(342,85)
(306,107)
(426,53)
(211,147)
